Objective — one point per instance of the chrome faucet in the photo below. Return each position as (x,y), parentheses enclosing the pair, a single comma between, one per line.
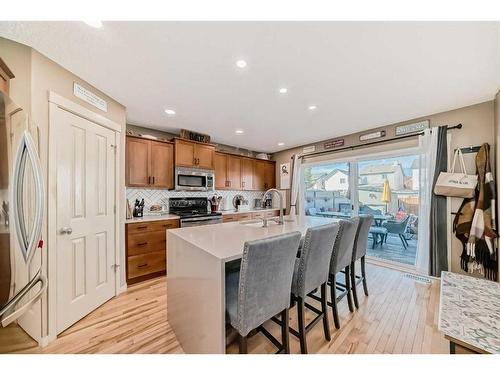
(273,190)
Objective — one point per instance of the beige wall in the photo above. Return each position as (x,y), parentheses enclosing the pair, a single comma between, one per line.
(35,77)
(478,127)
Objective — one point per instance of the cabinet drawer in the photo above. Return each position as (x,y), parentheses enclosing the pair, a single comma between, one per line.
(258,215)
(150,226)
(144,264)
(229,218)
(244,216)
(142,243)
(273,213)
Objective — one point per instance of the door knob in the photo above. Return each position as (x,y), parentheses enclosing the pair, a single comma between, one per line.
(66,230)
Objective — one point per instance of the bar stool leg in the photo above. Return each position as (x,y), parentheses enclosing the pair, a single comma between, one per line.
(363,275)
(353,284)
(284,331)
(333,292)
(243,340)
(302,326)
(324,309)
(348,287)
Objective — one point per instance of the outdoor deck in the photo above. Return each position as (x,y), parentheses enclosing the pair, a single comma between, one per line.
(394,251)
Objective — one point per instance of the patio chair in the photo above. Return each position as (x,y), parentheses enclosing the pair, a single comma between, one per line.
(311,211)
(397,227)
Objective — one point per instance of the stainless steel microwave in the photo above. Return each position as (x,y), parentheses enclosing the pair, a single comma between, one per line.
(190,179)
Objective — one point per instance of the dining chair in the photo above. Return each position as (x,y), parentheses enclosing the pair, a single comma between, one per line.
(310,273)
(359,252)
(341,262)
(261,288)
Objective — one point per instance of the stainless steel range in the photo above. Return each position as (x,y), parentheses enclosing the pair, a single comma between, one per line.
(193,211)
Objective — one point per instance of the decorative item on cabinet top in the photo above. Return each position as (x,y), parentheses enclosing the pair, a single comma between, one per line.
(193,136)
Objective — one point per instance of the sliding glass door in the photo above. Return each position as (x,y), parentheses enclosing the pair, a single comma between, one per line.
(386,187)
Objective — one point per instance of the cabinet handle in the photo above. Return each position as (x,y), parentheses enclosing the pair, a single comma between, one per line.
(229,183)
(153,180)
(149,180)
(142,244)
(142,265)
(143,227)
(167,225)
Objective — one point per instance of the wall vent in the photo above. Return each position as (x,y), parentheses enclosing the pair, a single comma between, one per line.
(418,278)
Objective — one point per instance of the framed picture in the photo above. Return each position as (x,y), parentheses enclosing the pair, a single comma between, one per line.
(285,176)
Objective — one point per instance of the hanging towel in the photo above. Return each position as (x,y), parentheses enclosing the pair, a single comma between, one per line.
(475,223)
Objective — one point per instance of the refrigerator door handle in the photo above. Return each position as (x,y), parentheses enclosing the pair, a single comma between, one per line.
(27,152)
(7,319)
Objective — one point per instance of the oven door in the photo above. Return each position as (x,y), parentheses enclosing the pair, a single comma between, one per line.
(198,221)
(190,180)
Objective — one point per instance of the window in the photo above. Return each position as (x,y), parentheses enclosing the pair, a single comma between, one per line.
(342,180)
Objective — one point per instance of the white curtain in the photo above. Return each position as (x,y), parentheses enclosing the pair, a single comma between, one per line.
(297,167)
(428,148)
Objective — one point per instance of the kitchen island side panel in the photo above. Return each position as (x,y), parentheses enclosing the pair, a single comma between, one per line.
(195,297)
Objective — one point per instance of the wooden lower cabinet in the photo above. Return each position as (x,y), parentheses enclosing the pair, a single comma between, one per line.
(146,249)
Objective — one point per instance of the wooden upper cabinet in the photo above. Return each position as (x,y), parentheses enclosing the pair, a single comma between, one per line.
(162,165)
(194,155)
(234,172)
(227,171)
(264,175)
(137,162)
(149,163)
(184,153)
(269,175)
(258,174)
(220,170)
(204,156)
(246,174)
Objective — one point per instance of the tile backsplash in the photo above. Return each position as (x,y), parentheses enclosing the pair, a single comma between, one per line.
(160,196)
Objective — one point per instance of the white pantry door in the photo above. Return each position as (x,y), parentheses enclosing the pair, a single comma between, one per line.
(86,189)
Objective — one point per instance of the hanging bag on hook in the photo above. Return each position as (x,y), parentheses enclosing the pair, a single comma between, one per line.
(454,184)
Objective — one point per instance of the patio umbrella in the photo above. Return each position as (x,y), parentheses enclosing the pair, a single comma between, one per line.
(386,194)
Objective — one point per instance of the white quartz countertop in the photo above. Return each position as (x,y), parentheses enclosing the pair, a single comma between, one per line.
(147,218)
(232,212)
(226,241)
(469,311)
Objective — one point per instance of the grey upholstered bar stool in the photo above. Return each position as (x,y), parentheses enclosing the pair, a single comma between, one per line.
(341,262)
(261,289)
(311,272)
(360,245)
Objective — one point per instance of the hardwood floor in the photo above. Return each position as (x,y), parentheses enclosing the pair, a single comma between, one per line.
(399,316)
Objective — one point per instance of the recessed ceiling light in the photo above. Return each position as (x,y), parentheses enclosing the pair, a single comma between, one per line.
(283,90)
(170,112)
(96,24)
(239,131)
(312,107)
(241,64)
(281,144)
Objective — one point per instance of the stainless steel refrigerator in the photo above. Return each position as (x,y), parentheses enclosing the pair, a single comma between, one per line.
(22,280)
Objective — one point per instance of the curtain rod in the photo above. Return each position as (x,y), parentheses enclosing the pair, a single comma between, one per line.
(459,126)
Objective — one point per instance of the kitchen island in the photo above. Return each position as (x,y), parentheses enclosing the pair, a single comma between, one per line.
(196,262)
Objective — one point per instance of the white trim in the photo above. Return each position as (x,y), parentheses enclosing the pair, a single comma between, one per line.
(56,103)
(393,265)
(81,111)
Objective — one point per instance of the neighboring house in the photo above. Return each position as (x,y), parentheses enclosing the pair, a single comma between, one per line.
(376,174)
(336,180)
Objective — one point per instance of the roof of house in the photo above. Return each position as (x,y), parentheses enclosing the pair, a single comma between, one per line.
(380,168)
(326,176)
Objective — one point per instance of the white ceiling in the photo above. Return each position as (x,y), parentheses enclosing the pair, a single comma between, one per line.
(360,75)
